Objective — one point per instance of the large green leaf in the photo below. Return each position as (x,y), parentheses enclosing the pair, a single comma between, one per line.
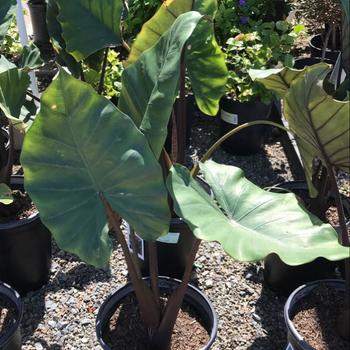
(150,85)
(320,123)
(252,223)
(5,194)
(7,13)
(55,31)
(153,29)
(90,25)
(279,80)
(206,68)
(204,59)
(80,147)
(13,86)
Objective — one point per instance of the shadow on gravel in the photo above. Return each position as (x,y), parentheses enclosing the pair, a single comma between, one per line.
(268,313)
(45,345)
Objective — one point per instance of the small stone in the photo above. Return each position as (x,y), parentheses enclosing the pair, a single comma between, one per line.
(52,324)
(209,283)
(85,321)
(38,346)
(256,317)
(84,340)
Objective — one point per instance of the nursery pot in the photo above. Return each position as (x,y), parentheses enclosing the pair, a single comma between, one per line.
(25,250)
(195,298)
(294,338)
(233,114)
(303,62)
(37,9)
(283,278)
(172,249)
(11,338)
(316,46)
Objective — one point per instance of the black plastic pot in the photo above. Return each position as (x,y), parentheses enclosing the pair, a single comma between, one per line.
(294,338)
(283,278)
(233,114)
(11,340)
(37,9)
(172,250)
(193,297)
(303,62)
(316,46)
(25,251)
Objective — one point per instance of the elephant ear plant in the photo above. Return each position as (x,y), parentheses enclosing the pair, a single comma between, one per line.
(322,132)
(88,164)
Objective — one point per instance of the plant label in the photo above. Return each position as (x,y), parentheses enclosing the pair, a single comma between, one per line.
(170,238)
(230,118)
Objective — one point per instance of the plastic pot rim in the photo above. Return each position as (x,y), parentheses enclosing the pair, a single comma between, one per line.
(128,288)
(306,288)
(13,295)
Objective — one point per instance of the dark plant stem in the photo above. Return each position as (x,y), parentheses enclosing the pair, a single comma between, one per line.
(6,172)
(174,137)
(103,72)
(134,251)
(181,115)
(162,338)
(153,270)
(144,295)
(33,96)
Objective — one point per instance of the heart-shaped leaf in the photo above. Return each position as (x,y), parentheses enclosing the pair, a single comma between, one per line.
(7,13)
(250,223)
(90,25)
(204,59)
(80,147)
(5,194)
(150,85)
(279,80)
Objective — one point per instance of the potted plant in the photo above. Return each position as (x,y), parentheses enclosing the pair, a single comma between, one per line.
(25,244)
(11,309)
(321,126)
(266,45)
(325,15)
(106,164)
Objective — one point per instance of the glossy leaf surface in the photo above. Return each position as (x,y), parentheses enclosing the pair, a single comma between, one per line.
(248,222)
(79,148)
(150,85)
(90,25)
(320,123)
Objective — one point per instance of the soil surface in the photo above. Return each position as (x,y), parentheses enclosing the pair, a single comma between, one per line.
(127,332)
(8,314)
(21,208)
(316,316)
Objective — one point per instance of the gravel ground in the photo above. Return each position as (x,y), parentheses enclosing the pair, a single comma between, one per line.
(62,314)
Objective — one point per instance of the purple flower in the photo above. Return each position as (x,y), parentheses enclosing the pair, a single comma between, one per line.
(242,2)
(243,19)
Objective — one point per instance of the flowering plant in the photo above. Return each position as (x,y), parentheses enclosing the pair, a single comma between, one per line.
(267,46)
